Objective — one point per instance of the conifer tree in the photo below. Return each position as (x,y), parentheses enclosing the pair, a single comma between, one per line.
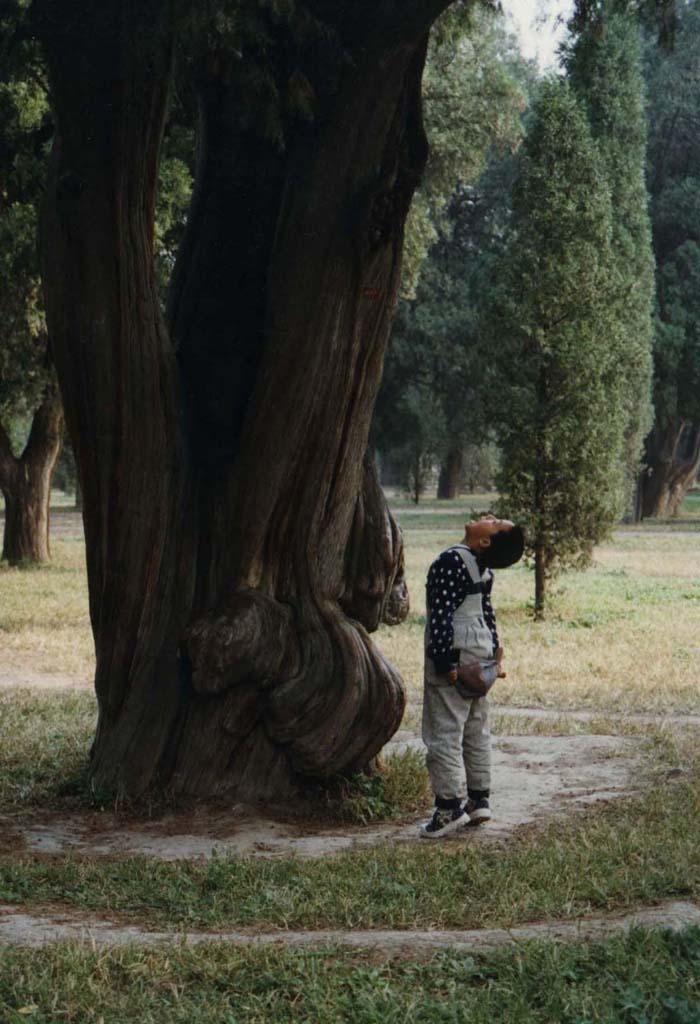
(605,69)
(549,324)
(673,447)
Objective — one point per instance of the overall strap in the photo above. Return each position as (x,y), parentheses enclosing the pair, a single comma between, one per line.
(476,585)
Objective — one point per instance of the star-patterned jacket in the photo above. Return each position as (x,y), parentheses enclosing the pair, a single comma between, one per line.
(448,584)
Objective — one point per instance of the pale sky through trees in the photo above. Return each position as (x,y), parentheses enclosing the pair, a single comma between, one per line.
(540,26)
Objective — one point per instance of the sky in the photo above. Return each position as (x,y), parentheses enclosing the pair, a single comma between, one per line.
(540,27)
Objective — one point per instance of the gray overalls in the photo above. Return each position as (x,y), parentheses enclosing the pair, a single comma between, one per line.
(456,728)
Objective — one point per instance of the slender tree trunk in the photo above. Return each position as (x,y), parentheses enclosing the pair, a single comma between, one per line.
(222,516)
(673,455)
(450,479)
(540,582)
(417,479)
(637,510)
(26,486)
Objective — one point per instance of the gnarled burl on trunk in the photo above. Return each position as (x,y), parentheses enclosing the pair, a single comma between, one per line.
(238,552)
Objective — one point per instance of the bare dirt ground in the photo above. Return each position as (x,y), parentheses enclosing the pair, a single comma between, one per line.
(535,778)
(20,928)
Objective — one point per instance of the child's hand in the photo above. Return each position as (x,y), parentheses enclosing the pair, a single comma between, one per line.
(499,661)
(452,675)
(470,675)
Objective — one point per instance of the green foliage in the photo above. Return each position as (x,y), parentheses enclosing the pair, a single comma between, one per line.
(474,88)
(172,204)
(283,57)
(434,386)
(24,134)
(549,323)
(674,180)
(605,68)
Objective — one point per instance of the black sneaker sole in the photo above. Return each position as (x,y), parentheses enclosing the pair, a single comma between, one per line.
(479,817)
(446,830)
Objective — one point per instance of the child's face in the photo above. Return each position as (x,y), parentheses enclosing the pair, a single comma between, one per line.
(478,533)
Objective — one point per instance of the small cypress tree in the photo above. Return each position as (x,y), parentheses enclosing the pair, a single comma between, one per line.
(549,322)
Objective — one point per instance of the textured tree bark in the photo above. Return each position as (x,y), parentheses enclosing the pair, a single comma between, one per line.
(673,458)
(375,582)
(450,479)
(223,525)
(26,486)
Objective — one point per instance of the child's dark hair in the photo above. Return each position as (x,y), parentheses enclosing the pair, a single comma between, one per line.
(506,549)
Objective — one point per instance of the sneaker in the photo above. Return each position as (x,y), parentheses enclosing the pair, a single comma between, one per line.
(479,811)
(443,822)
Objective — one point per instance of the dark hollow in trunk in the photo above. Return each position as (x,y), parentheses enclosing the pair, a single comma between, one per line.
(451,472)
(233,562)
(673,461)
(26,486)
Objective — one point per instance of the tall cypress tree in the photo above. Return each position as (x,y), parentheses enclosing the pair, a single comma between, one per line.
(673,447)
(549,323)
(605,69)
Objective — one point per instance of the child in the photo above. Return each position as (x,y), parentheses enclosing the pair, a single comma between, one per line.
(463,659)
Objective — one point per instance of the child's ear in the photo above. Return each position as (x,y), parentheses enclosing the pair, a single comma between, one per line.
(485,542)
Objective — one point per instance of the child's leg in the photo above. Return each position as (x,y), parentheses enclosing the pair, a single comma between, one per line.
(444,716)
(476,748)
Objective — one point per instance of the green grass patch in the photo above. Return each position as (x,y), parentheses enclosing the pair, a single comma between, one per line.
(44,743)
(629,852)
(400,786)
(642,978)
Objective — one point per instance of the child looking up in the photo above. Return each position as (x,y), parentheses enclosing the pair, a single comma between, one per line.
(463,659)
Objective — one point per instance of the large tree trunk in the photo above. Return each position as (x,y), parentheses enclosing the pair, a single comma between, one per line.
(26,486)
(673,458)
(451,470)
(221,517)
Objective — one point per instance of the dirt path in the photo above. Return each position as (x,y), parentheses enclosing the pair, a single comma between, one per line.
(534,779)
(584,715)
(20,928)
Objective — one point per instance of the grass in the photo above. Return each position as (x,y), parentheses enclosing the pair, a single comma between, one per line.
(44,619)
(44,740)
(606,646)
(641,978)
(401,786)
(629,852)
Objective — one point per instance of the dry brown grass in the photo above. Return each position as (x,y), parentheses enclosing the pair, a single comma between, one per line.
(44,621)
(623,636)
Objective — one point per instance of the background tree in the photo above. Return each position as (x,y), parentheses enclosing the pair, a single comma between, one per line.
(549,323)
(673,447)
(430,404)
(605,68)
(221,459)
(30,408)
(474,90)
(31,419)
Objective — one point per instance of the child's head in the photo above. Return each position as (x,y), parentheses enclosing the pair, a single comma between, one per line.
(497,543)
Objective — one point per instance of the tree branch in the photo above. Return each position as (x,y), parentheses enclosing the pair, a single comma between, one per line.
(46,431)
